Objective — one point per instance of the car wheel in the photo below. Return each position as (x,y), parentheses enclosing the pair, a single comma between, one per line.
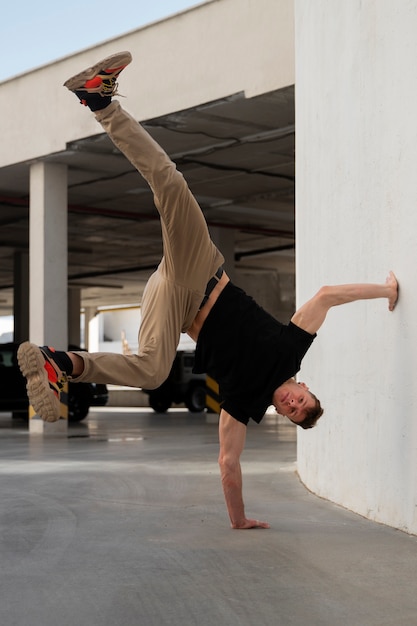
(195,399)
(78,402)
(159,402)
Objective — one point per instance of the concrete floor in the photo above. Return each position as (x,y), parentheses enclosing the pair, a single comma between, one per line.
(123,523)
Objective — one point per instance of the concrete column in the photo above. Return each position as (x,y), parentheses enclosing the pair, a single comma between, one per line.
(90,338)
(355,220)
(94,332)
(48,273)
(224,239)
(21,297)
(74,307)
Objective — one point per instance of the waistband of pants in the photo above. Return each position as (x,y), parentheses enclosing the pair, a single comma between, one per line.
(211,285)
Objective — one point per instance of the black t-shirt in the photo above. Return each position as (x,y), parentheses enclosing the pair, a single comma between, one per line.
(248,352)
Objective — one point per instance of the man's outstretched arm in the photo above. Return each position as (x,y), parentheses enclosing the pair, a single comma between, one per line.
(232,436)
(312,314)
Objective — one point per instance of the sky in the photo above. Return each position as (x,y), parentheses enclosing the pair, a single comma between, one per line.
(37,33)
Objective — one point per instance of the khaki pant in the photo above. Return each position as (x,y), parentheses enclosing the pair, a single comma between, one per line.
(174,292)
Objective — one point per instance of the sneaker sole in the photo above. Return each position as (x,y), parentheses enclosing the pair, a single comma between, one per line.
(41,397)
(113,61)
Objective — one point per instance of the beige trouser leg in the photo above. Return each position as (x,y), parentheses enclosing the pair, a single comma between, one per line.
(174,292)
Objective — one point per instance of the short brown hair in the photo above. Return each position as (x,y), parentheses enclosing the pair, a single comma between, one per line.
(312,415)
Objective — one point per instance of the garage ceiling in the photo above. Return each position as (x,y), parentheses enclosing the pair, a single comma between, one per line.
(237,155)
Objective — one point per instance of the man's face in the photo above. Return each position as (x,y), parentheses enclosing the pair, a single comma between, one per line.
(293,400)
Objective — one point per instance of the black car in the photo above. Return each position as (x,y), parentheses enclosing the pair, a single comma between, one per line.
(13,395)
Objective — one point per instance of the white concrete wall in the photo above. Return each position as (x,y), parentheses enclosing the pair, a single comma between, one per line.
(212,51)
(356,213)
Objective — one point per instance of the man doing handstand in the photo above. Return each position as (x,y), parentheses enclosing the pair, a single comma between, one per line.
(253,357)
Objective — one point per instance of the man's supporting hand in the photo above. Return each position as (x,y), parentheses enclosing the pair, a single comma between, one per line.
(232,435)
(246,524)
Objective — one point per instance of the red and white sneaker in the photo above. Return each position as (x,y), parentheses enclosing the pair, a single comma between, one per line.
(44,380)
(101,78)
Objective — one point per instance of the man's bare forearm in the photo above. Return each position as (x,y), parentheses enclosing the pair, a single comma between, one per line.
(343,294)
(232,489)
(312,314)
(232,439)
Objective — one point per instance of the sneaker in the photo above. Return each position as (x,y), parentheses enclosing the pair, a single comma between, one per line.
(100,78)
(44,380)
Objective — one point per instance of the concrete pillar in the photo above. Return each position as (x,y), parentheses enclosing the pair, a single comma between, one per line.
(48,244)
(224,239)
(21,297)
(355,220)
(91,340)
(95,327)
(74,307)
(48,273)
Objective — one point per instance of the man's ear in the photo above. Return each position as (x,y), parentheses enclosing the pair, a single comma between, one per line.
(304,386)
